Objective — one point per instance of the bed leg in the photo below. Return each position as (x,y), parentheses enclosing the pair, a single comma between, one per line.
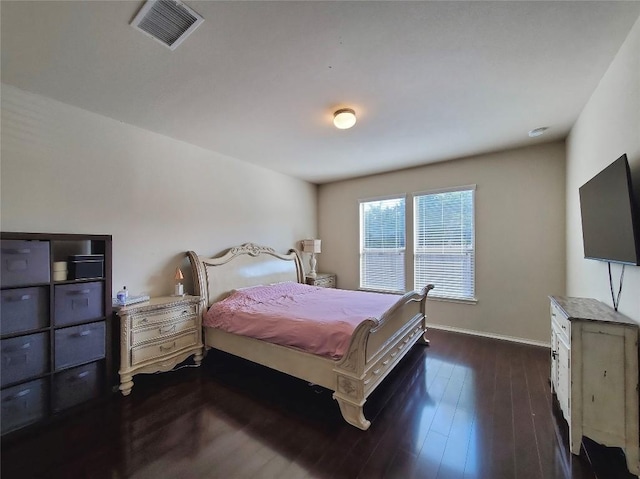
(423,340)
(353,413)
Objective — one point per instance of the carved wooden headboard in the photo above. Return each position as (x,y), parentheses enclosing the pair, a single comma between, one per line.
(241,266)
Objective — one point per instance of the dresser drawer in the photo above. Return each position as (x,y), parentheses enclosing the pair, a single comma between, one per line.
(143,318)
(24,309)
(563,323)
(24,262)
(79,302)
(79,344)
(76,386)
(162,330)
(24,357)
(23,404)
(167,346)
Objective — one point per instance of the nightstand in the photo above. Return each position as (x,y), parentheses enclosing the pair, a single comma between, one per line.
(324,280)
(158,334)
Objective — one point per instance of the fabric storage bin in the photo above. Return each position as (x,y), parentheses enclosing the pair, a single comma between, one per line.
(76,386)
(24,309)
(78,302)
(23,404)
(24,357)
(24,262)
(79,344)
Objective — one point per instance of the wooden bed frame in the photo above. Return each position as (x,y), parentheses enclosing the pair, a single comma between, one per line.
(377,344)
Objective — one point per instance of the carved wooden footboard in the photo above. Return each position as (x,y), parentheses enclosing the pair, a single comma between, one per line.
(376,347)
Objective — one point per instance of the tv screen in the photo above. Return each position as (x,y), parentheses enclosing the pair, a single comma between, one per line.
(610,216)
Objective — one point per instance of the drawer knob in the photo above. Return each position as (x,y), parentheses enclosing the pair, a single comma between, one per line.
(384,363)
(554,354)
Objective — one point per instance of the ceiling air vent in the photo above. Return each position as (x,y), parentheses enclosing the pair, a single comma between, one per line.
(167,21)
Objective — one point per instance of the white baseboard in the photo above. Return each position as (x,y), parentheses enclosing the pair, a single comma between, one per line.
(488,335)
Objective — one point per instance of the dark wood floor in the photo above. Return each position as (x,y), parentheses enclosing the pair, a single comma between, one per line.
(466,407)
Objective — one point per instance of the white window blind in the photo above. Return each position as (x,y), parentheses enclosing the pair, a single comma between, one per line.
(382,244)
(444,242)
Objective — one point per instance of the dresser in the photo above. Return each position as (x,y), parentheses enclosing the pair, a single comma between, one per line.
(323,280)
(157,335)
(594,374)
(55,316)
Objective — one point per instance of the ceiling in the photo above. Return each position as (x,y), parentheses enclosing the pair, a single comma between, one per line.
(259,81)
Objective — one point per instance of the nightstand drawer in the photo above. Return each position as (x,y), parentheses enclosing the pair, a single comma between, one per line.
(142,319)
(158,349)
(322,280)
(162,330)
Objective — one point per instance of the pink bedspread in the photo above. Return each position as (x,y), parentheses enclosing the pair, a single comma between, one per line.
(316,320)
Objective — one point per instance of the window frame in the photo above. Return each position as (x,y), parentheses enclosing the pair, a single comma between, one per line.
(473,299)
(404,197)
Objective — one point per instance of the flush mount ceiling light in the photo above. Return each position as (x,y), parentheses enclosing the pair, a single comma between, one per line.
(538,131)
(344,118)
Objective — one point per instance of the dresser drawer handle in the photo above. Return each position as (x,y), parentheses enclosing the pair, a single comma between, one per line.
(22,393)
(168,329)
(24,297)
(78,376)
(19,348)
(79,292)
(167,348)
(16,251)
(384,363)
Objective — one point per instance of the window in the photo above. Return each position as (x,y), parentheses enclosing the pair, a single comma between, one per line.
(444,242)
(382,244)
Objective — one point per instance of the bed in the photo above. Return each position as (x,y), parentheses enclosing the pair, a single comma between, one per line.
(377,344)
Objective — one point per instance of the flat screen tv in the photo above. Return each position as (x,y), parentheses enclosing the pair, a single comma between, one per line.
(610,218)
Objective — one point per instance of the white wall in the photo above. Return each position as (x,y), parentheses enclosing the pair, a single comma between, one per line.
(608,126)
(67,170)
(520,235)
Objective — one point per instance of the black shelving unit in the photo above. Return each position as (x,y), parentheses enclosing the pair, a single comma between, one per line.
(55,336)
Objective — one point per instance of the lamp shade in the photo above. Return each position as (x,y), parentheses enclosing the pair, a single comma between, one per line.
(311,246)
(179,276)
(344,118)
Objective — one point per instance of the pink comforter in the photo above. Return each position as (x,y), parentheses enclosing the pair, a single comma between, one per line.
(316,320)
